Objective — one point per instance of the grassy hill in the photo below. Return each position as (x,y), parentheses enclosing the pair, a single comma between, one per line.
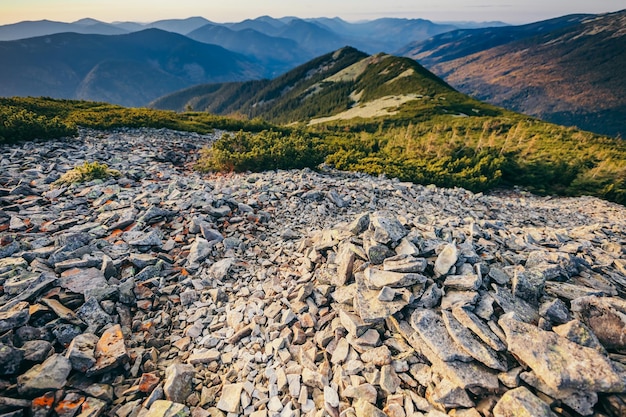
(338,86)
(570,72)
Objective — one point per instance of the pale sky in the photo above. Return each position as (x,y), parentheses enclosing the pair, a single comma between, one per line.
(511,11)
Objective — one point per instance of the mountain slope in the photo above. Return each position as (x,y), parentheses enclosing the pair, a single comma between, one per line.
(345,84)
(128,69)
(463,42)
(572,76)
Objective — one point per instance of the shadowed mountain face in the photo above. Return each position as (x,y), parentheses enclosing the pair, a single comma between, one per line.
(571,72)
(130,69)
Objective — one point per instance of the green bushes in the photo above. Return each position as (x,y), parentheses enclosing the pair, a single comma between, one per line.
(45,118)
(18,124)
(267,150)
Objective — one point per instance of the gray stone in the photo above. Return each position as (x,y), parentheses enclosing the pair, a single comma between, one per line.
(360,224)
(10,359)
(463,282)
(378,253)
(560,363)
(370,309)
(206,356)
(521,402)
(92,314)
(511,304)
(199,251)
(405,263)
(581,402)
(556,311)
(527,285)
(37,350)
(432,330)
(446,259)
(50,375)
(152,238)
(345,262)
(81,352)
(431,297)
(81,280)
(468,319)
(577,332)
(125,218)
(389,380)
(470,343)
(178,382)
(449,395)
(386,229)
(376,279)
(220,269)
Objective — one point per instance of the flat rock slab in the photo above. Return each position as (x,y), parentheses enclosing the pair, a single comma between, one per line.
(560,363)
(520,402)
(82,280)
(14,317)
(432,330)
(50,375)
(376,279)
(470,320)
(470,343)
(230,400)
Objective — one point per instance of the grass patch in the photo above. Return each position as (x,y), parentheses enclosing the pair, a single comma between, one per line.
(86,172)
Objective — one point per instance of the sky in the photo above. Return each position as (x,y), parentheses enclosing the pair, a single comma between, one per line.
(510,11)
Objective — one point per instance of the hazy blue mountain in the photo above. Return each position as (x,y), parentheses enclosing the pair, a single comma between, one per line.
(276,54)
(475,25)
(181,26)
(129,26)
(29,29)
(263,24)
(130,69)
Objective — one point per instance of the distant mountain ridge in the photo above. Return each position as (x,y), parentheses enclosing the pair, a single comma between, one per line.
(568,71)
(277,45)
(130,69)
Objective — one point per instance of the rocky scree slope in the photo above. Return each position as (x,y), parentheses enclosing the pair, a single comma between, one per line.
(165,292)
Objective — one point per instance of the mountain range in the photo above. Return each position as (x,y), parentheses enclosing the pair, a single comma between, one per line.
(130,69)
(569,70)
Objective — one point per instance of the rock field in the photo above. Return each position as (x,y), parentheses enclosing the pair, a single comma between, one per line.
(166,292)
